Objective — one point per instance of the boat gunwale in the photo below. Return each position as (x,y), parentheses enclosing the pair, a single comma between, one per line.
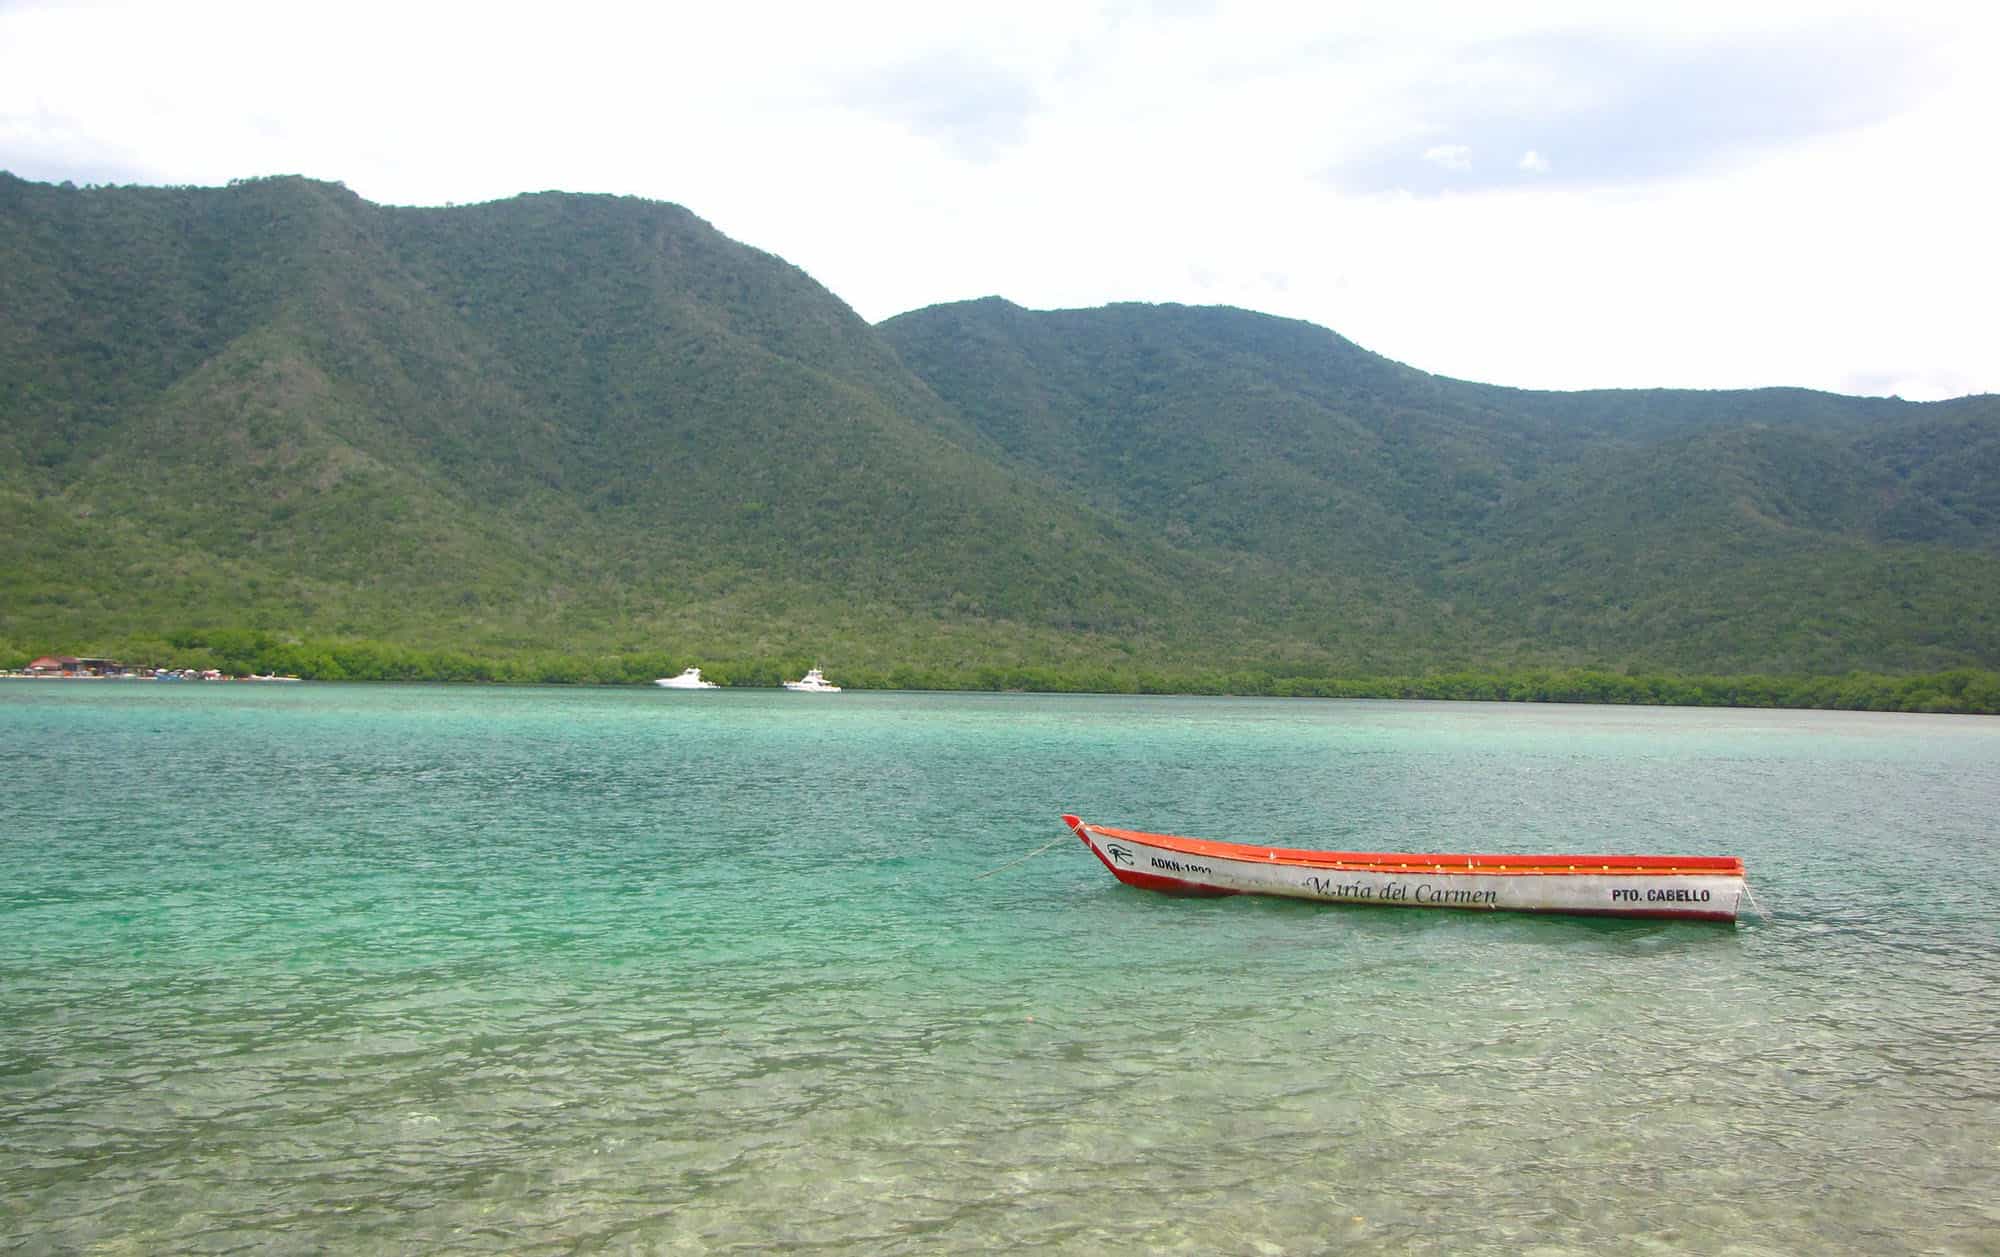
(1441,863)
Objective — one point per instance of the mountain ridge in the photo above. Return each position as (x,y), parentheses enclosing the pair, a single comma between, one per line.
(596,424)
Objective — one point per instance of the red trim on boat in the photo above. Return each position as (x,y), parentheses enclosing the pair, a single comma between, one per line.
(1168,885)
(1414,863)
(1144,881)
(1490,865)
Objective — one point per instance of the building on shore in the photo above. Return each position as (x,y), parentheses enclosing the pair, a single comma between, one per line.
(70,665)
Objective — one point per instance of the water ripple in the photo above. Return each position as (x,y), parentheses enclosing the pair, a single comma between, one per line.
(436,970)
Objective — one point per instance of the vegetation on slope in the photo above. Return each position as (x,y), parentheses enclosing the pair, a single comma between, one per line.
(574,437)
(1773,529)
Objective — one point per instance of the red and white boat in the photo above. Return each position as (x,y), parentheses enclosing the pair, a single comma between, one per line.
(1682,887)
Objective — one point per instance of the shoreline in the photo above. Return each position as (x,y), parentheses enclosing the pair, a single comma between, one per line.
(1967,692)
(135,676)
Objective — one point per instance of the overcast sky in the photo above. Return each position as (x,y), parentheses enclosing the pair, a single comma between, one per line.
(1542,194)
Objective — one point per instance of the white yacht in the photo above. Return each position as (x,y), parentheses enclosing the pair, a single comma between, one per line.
(814,682)
(689,680)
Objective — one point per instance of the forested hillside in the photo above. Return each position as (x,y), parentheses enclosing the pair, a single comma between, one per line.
(592,428)
(1773,529)
(552,423)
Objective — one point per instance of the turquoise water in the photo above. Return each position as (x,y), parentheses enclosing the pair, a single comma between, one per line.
(423,969)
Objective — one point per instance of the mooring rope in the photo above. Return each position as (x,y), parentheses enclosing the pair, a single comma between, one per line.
(1752,896)
(1024,859)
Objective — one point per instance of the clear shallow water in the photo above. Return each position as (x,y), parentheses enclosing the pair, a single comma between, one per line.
(416,969)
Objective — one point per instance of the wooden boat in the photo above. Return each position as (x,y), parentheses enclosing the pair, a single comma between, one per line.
(1689,888)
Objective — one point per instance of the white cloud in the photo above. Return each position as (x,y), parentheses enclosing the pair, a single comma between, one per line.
(1741,195)
(1449,156)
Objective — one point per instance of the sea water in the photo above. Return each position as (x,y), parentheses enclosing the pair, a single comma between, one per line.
(418,969)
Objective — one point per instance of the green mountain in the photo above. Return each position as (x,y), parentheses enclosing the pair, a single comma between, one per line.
(572,423)
(1773,529)
(595,426)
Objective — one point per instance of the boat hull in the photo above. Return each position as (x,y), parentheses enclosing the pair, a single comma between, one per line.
(688,680)
(813,682)
(1688,888)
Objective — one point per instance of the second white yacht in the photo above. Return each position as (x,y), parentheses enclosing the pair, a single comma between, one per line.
(689,680)
(814,682)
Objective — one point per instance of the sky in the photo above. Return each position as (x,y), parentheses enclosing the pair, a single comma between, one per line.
(1538,193)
